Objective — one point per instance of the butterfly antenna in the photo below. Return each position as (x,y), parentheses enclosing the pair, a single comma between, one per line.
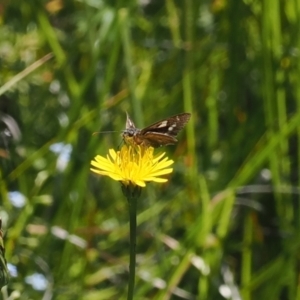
(99,132)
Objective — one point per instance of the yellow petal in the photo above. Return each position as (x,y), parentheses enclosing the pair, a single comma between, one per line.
(133,165)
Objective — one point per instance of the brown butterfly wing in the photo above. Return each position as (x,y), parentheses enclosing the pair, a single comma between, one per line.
(156,139)
(170,126)
(164,132)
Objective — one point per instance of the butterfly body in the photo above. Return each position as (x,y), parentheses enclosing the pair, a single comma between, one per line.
(161,133)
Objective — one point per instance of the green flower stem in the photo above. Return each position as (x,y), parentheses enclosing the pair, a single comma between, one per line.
(132,193)
(132,263)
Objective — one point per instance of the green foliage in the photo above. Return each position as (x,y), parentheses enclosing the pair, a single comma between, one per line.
(227,221)
(4,276)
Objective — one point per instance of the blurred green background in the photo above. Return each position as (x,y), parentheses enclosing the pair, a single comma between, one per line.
(227,223)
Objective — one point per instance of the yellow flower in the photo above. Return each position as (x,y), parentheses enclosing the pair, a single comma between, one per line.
(133,165)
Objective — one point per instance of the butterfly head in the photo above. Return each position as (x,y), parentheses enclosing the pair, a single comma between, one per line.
(130,132)
(130,127)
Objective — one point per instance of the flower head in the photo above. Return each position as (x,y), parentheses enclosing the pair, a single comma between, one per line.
(133,165)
